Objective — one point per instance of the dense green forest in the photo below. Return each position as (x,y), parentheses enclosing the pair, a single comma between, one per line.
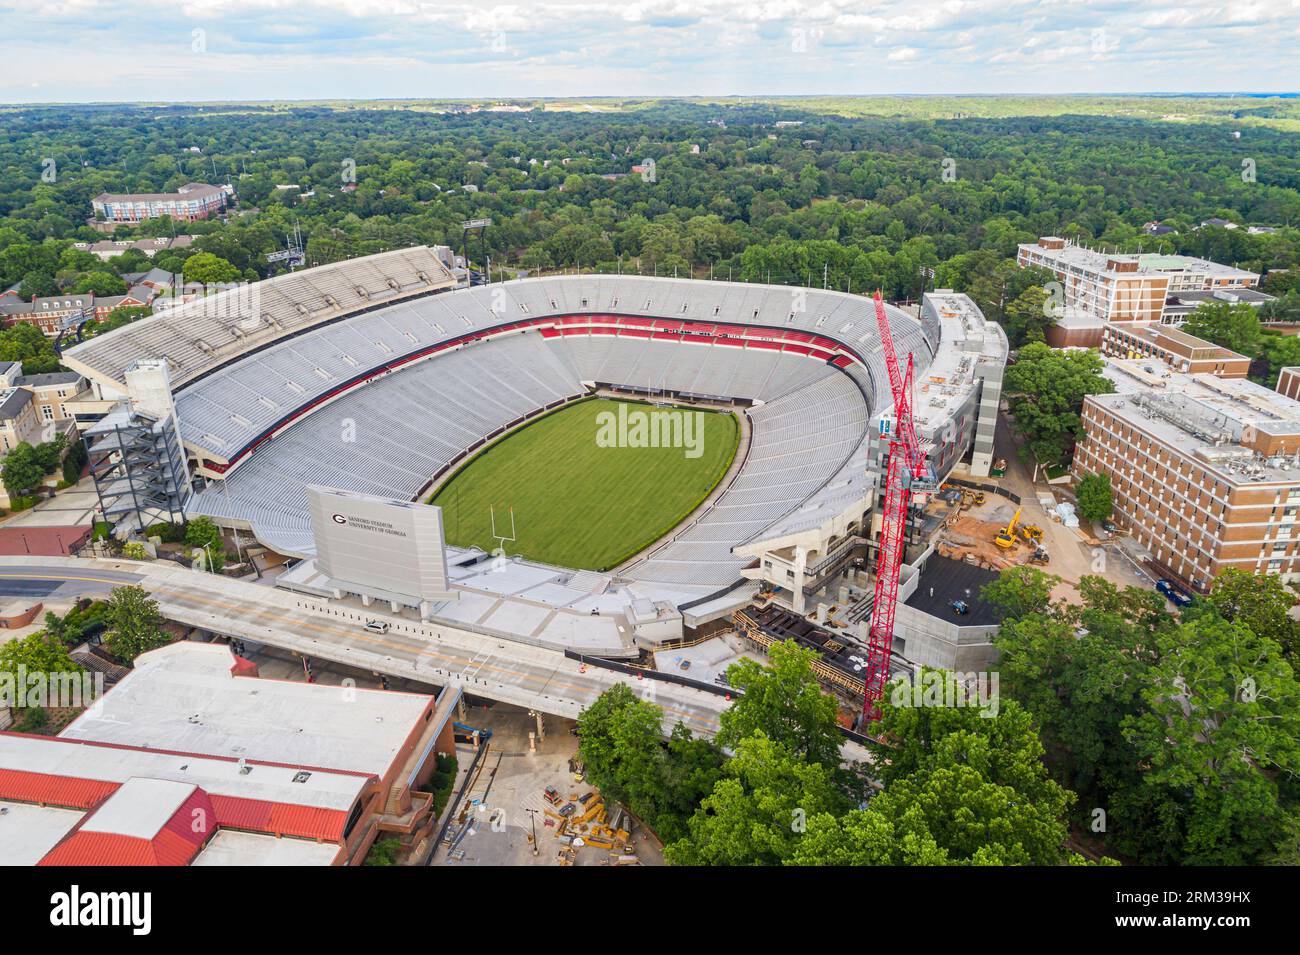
(856,202)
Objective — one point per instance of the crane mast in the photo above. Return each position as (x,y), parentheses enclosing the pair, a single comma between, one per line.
(905,468)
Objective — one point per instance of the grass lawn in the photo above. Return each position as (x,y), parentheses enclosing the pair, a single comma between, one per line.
(578,501)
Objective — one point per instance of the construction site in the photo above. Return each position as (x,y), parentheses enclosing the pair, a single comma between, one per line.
(985,529)
(525,800)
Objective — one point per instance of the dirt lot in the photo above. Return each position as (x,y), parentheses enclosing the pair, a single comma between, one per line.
(505,801)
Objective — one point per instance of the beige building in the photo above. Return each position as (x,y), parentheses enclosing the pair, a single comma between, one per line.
(1205,471)
(52,394)
(18,420)
(1120,287)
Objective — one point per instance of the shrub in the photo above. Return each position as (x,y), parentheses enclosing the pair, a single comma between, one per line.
(34,720)
(384,852)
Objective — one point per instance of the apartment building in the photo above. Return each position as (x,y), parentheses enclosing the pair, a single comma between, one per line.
(109,248)
(1119,287)
(1288,382)
(49,313)
(1205,471)
(1174,347)
(194,200)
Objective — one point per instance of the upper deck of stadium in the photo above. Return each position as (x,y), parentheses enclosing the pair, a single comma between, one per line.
(427,378)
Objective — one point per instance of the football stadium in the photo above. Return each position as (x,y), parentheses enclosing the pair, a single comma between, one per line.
(620,462)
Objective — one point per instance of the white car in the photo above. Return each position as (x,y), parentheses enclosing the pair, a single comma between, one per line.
(377,626)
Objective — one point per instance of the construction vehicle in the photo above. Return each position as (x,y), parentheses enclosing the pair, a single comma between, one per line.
(1039,556)
(906,473)
(1006,538)
(972,498)
(1031,532)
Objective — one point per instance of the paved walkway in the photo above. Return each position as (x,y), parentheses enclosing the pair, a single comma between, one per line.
(69,507)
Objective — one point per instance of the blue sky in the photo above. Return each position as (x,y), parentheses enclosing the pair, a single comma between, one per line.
(96,50)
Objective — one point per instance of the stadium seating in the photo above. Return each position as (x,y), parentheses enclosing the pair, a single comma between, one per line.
(806,461)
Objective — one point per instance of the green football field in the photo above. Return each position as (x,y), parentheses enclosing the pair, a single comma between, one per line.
(586,493)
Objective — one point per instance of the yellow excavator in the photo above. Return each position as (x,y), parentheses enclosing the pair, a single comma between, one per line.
(1006,538)
(1032,533)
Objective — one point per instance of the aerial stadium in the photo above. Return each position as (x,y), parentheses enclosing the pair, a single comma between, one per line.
(389,378)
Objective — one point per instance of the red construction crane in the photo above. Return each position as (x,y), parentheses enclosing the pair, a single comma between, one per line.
(906,467)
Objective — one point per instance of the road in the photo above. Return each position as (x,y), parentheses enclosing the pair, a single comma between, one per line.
(483,666)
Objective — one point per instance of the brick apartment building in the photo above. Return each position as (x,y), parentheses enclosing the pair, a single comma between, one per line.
(1100,288)
(49,312)
(1174,347)
(194,200)
(1288,382)
(1205,471)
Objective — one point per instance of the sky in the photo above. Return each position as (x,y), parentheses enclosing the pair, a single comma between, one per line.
(196,50)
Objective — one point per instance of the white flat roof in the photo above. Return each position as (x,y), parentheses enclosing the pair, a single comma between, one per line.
(231,847)
(218,777)
(183,697)
(140,807)
(28,832)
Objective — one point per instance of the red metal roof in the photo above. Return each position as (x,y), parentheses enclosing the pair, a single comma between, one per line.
(279,819)
(176,843)
(243,667)
(46,789)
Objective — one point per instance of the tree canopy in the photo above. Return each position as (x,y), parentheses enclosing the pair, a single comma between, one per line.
(1045,389)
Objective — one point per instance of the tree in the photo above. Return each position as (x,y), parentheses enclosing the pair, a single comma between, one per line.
(757,812)
(1235,327)
(38,285)
(784,701)
(75,462)
(1094,497)
(1045,389)
(24,342)
(100,282)
(959,787)
(626,757)
(1021,591)
(22,470)
(40,652)
(1079,672)
(118,317)
(202,534)
(1221,738)
(1026,318)
(209,269)
(1260,602)
(134,623)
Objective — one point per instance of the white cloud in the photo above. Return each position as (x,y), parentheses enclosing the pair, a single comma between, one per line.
(361,48)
